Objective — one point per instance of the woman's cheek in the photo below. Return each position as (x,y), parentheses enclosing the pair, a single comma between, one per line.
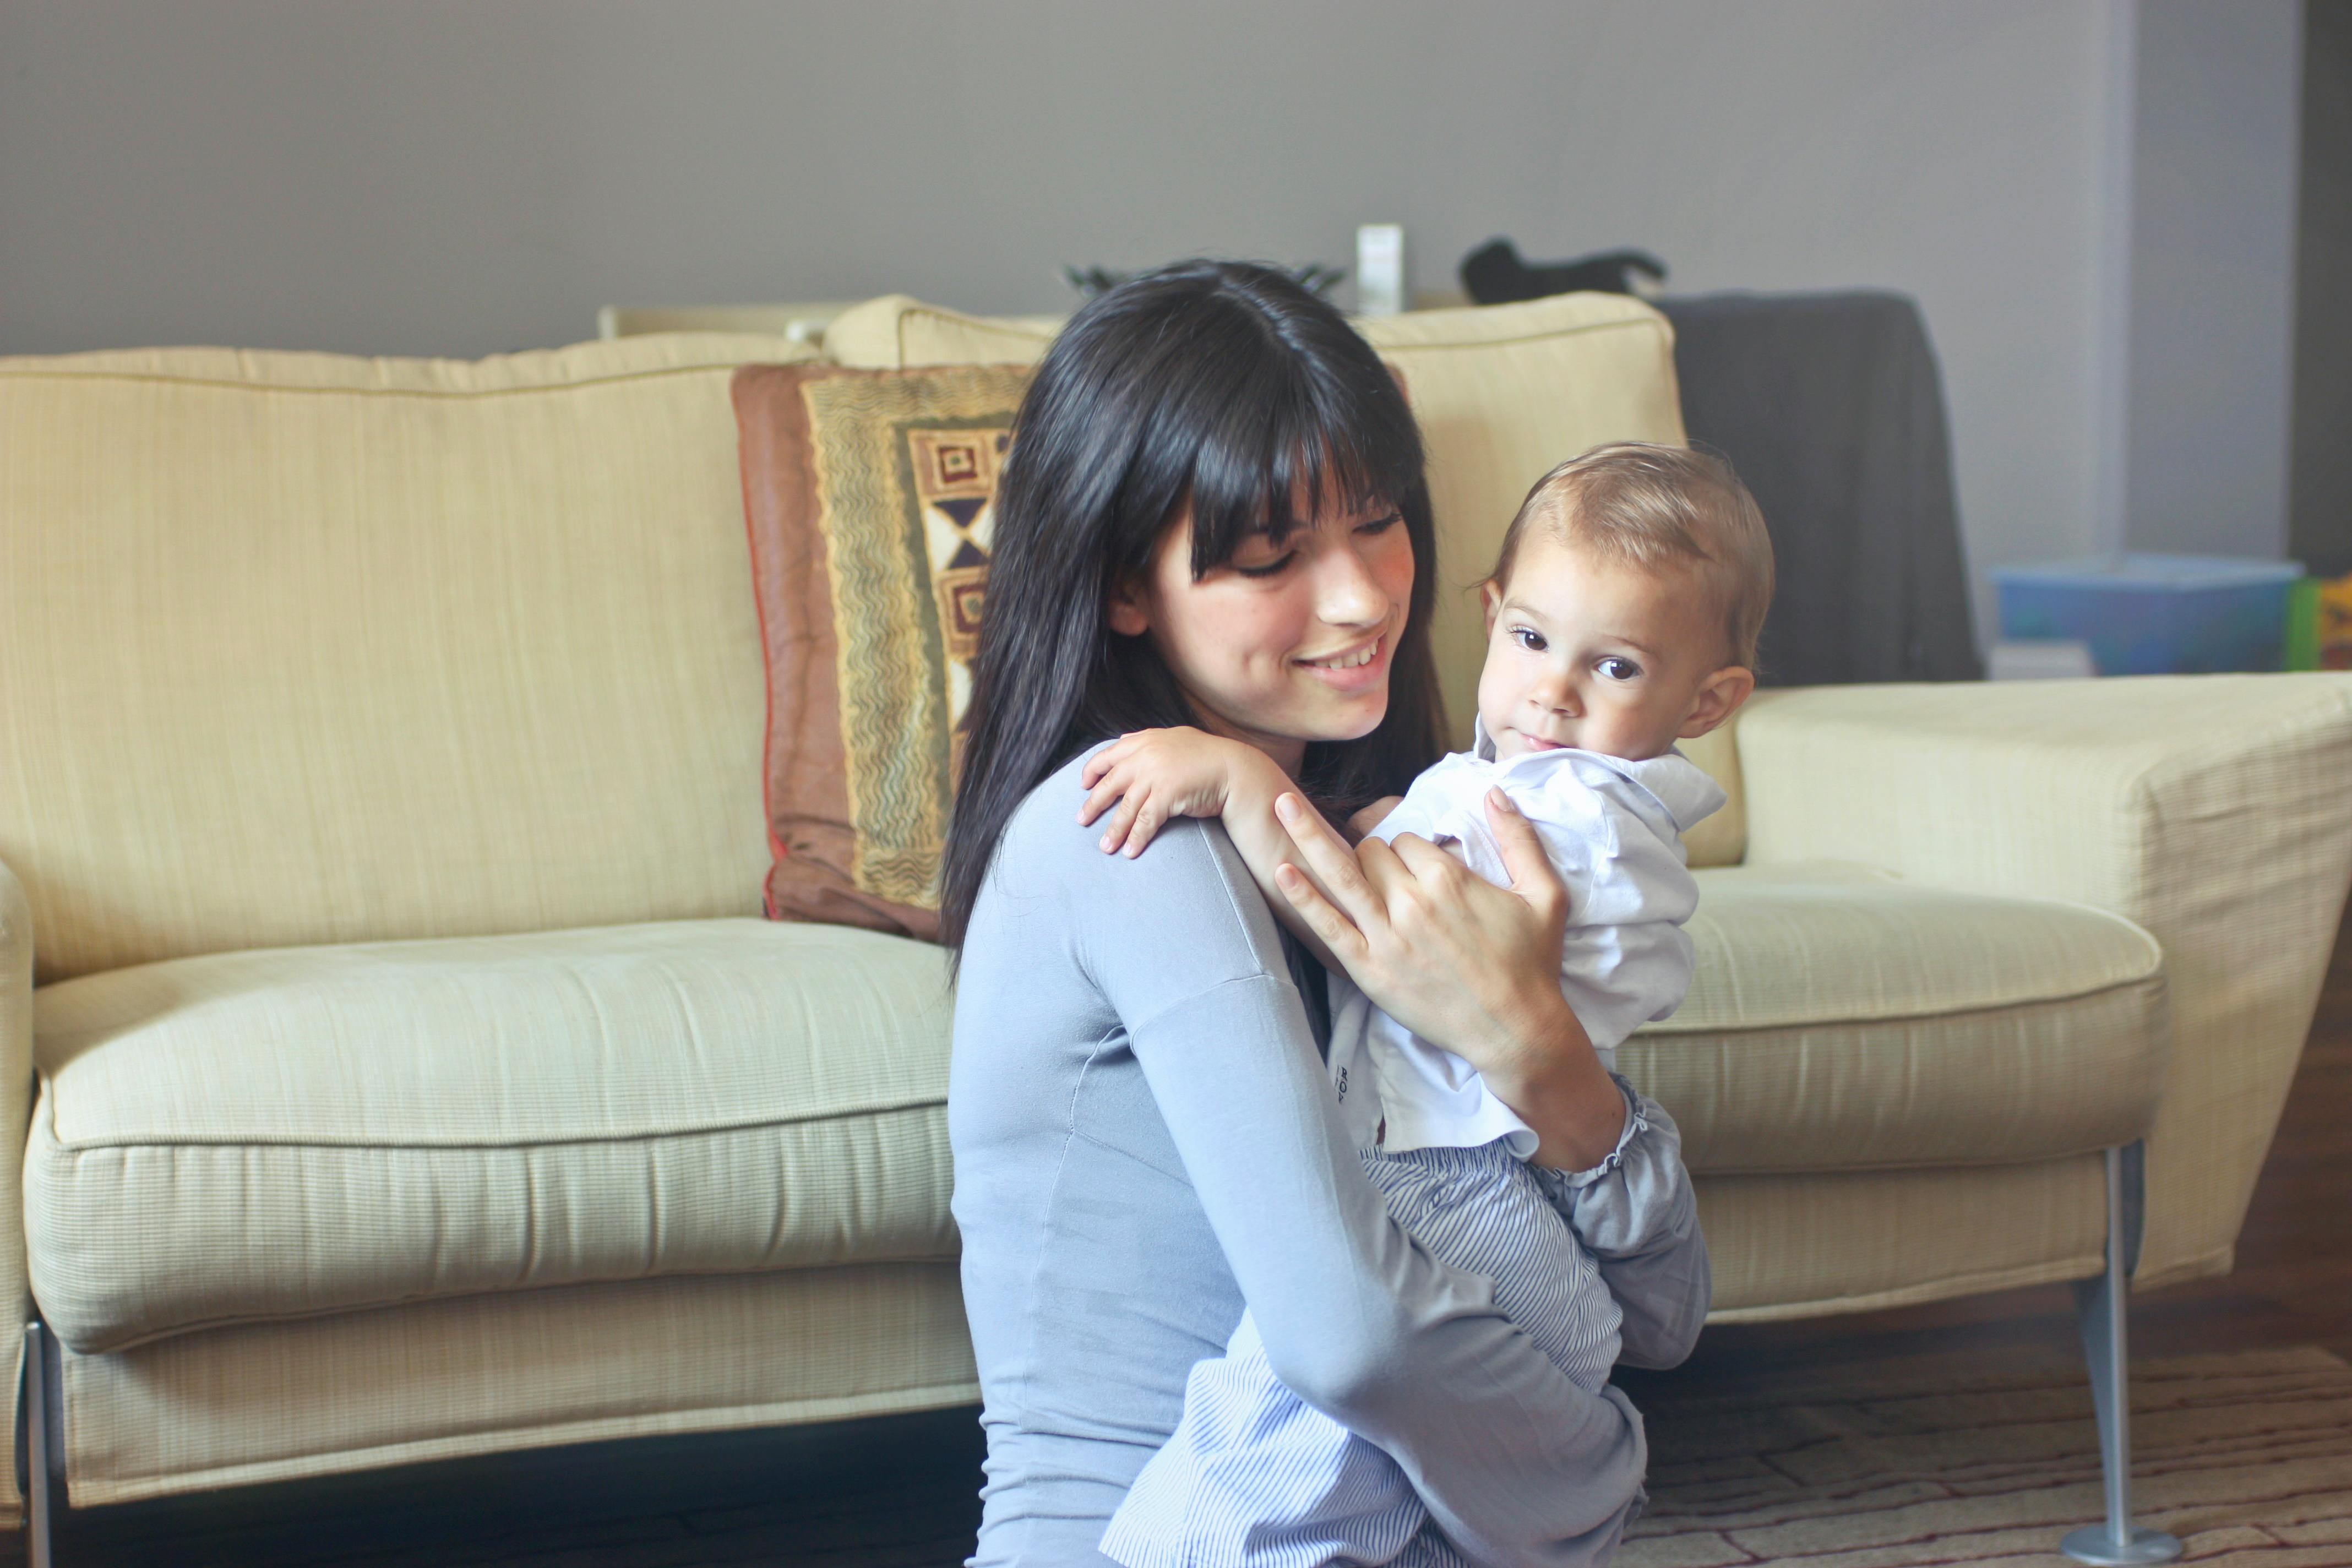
(1393,567)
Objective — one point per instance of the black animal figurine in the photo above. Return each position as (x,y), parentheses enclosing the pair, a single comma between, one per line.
(1495,274)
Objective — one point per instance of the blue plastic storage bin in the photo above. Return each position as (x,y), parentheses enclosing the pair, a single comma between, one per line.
(2153,614)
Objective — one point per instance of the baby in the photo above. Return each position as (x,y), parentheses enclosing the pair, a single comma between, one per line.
(1621,617)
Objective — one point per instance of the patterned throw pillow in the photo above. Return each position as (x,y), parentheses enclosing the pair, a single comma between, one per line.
(869,498)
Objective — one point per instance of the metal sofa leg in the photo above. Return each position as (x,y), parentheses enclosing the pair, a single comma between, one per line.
(2099,1307)
(40,1443)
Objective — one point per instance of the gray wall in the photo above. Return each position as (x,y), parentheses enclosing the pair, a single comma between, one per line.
(2215,156)
(452,177)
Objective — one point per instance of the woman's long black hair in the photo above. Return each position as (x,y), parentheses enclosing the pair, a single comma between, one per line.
(1222,385)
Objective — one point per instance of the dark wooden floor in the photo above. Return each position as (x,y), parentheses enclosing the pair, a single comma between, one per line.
(899,1493)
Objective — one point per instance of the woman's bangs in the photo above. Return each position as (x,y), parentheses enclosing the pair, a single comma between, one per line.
(1252,470)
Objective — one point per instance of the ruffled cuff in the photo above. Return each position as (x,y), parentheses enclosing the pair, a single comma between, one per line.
(1557,1184)
(1639,1199)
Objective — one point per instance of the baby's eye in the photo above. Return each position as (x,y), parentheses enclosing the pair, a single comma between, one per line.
(1619,669)
(1529,639)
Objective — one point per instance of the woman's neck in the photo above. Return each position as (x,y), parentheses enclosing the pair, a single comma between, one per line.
(1289,754)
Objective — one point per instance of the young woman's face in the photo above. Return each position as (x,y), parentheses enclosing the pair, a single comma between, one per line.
(1286,643)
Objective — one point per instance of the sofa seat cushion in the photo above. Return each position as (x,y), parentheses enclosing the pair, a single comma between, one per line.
(1842,1019)
(297,1130)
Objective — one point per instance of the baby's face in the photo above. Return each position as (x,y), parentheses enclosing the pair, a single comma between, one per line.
(1591,653)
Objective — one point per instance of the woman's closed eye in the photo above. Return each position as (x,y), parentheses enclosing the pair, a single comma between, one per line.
(1267,568)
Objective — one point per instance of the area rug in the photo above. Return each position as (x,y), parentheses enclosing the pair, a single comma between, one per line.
(2246,1456)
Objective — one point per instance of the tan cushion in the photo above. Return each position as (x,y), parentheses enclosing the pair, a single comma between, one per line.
(527,1369)
(308,1129)
(893,331)
(2211,810)
(302,648)
(1842,1019)
(870,499)
(1502,393)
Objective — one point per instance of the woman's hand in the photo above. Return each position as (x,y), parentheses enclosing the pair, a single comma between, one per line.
(1361,824)
(1469,966)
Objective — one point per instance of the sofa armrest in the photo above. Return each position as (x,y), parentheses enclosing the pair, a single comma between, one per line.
(2215,811)
(16,1116)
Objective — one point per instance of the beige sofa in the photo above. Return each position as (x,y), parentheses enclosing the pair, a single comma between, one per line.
(380,852)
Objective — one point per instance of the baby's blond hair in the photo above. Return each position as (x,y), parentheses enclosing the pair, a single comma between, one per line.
(1656,507)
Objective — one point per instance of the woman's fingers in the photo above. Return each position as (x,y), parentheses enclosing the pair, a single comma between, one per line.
(1328,859)
(1420,857)
(1322,917)
(1533,877)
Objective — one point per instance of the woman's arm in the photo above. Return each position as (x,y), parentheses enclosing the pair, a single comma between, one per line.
(1518,1464)
(1148,778)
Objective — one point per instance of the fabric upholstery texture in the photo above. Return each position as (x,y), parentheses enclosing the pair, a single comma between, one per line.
(869,496)
(441,1380)
(1839,1019)
(294,1131)
(297,1130)
(302,648)
(2211,811)
(1502,394)
(1798,1245)
(16,1094)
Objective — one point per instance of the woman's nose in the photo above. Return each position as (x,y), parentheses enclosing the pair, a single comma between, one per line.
(1346,592)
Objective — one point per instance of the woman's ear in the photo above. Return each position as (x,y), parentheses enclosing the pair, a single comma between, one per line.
(1129,615)
(1397,375)
(1719,697)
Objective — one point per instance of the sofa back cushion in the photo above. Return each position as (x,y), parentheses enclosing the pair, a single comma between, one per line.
(300,648)
(1502,393)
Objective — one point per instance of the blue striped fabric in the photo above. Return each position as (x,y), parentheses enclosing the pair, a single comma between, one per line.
(1255,1478)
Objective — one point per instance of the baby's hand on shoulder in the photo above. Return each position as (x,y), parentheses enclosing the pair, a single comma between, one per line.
(1146,777)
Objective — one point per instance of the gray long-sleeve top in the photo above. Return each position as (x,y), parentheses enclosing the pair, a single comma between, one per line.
(1144,1141)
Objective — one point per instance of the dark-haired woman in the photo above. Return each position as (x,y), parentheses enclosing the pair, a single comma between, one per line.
(1214,514)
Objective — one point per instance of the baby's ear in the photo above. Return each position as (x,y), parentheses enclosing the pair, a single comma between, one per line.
(1719,697)
(1490,599)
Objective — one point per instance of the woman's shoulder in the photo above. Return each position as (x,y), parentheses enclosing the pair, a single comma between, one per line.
(1045,838)
(1189,884)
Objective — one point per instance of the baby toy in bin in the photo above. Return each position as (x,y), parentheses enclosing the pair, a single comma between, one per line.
(2319,624)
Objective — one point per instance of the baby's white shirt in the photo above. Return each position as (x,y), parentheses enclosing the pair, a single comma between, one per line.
(1613,829)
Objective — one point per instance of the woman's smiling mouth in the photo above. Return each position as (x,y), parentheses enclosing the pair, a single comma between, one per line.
(1351,671)
(1356,659)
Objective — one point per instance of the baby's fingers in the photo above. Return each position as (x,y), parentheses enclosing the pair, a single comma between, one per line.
(1122,818)
(1102,762)
(1149,817)
(1099,799)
